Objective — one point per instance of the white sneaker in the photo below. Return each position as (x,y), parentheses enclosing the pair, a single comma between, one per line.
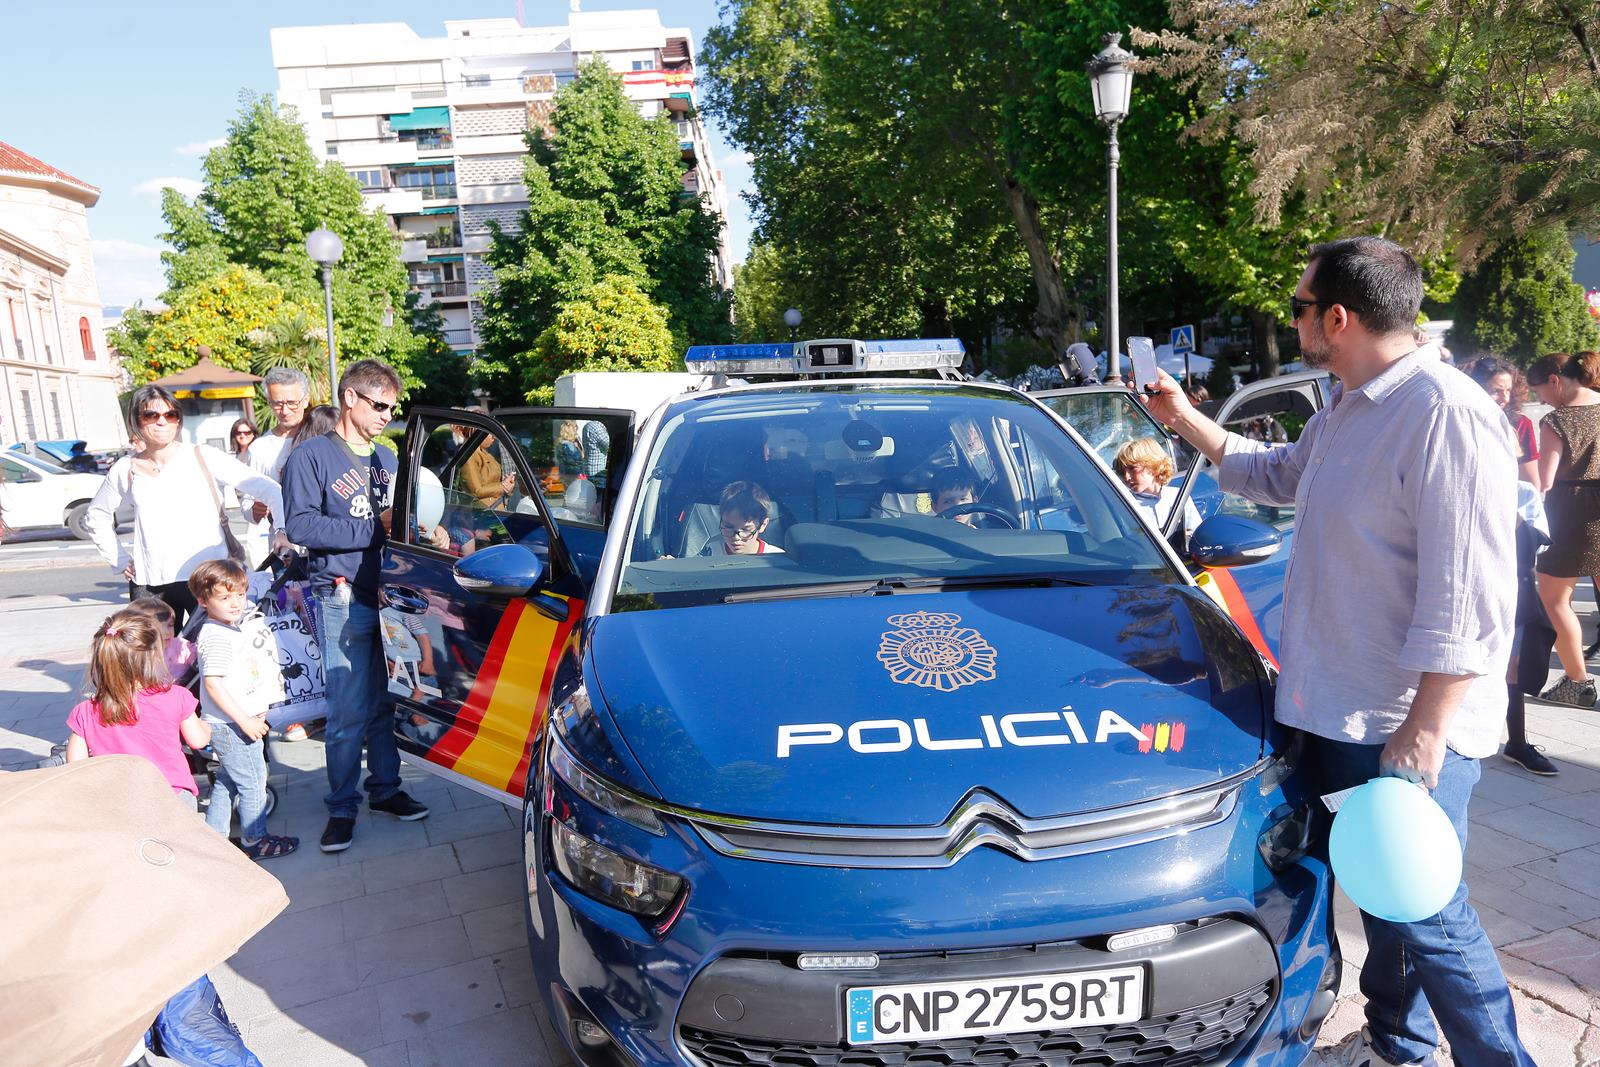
(1354,1051)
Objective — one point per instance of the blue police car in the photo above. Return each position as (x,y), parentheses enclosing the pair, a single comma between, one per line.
(857,720)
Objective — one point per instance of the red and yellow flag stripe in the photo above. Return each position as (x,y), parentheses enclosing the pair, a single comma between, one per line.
(492,738)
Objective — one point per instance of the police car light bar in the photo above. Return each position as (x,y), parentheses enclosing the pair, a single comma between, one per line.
(826,356)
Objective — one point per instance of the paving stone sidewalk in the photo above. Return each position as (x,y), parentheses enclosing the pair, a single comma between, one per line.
(409,950)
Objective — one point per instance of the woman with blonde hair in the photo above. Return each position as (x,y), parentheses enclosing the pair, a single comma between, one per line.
(1569,470)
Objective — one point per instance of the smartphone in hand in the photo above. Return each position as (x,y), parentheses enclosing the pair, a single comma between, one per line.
(1142,352)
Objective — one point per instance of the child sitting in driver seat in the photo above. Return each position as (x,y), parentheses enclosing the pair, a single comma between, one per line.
(745,510)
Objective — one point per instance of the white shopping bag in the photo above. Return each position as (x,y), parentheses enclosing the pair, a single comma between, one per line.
(291,616)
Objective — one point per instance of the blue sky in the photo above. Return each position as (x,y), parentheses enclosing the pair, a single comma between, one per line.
(126,97)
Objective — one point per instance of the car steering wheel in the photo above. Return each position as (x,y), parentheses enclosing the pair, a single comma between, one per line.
(1007,517)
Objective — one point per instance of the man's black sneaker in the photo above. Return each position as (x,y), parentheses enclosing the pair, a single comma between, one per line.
(1573,694)
(1530,758)
(402,807)
(339,833)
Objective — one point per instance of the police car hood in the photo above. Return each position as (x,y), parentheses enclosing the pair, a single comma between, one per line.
(889,710)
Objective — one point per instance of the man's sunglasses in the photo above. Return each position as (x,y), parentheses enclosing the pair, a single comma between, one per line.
(167,415)
(1297,307)
(377,405)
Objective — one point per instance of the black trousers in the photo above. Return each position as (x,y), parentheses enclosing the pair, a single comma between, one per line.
(176,594)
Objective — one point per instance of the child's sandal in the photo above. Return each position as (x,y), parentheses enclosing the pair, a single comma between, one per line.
(270,847)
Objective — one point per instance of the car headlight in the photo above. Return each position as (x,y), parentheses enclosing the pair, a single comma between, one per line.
(610,877)
(599,793)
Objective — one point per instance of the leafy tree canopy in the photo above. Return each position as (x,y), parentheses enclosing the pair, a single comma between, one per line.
(1451,125)
(613,326)
(263,192)
(1521,302)
(223,311)
(605,201)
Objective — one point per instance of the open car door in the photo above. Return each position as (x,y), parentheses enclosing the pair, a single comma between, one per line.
(472,656)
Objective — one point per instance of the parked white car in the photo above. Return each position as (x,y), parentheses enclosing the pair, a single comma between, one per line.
(37,493)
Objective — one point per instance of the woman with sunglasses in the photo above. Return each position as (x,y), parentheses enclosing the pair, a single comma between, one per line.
(176,513)
(241,437)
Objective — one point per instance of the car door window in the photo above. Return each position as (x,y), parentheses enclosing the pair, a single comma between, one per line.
(578,457)
(466,491)
(17,473)
(1108,419)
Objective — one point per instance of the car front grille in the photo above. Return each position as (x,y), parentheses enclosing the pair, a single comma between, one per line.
(1188,1038)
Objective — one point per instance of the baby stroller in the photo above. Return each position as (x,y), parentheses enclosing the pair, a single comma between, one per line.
(204,762)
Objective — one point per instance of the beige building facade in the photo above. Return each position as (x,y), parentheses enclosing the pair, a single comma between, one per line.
(58,380)
(433,127)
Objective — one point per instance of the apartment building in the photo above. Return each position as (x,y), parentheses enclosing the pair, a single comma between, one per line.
(433,127)
(58,380)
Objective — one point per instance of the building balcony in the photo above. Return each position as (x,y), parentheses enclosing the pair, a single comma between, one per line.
(441,290)
(461,338)
(413,251)
(438,192)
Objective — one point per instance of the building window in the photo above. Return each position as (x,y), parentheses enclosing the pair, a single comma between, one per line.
(333,149)
(86,336)
(27,414)
(434,183)
(55,408)
(477,81)
(370,180)
(643,64)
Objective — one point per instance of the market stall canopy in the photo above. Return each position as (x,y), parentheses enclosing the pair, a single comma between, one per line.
(209,380)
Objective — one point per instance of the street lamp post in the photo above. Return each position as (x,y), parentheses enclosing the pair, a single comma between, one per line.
(1111,79)
(791,319)
(325,248)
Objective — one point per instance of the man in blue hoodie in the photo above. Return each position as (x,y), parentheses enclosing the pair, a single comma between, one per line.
(336,491)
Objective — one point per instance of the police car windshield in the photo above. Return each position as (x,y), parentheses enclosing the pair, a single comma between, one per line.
(781,489)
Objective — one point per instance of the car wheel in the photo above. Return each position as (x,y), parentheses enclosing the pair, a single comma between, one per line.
(78,521)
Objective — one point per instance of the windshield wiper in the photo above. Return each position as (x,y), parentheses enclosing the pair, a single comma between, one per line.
(893,586)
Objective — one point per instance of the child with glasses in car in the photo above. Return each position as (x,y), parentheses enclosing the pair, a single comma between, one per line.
(745,511)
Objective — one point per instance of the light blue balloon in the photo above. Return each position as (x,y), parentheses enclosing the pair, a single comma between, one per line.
(1394,851)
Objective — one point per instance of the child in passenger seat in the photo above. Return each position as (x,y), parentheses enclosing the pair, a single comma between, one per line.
(745,510)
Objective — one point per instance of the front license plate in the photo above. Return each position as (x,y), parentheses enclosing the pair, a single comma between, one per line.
(994,1005)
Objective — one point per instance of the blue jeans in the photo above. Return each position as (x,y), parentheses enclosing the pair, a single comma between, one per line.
(358,707)
(1446,962)
(242,773)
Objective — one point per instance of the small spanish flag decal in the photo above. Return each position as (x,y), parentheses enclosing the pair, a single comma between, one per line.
(1163,737)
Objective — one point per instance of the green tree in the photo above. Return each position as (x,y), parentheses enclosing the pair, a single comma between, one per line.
(263,192)
(295,337)
(1451,125)
(443,378)
(605,200)
(613,326)
(222,311)
(1522,303)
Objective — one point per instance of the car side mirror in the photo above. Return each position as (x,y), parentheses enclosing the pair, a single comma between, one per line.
(1232,541)
(499,571)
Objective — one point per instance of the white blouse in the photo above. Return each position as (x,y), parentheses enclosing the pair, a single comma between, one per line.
(175,525)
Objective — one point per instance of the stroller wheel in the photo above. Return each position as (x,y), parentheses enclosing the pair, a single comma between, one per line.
(272,800)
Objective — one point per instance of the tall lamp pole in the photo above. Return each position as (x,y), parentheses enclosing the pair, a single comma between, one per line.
(1111,79)
(324,247)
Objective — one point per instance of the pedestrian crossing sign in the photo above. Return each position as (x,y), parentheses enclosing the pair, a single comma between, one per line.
(1183,338)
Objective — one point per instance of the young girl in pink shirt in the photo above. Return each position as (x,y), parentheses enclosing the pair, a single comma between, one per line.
(134,709)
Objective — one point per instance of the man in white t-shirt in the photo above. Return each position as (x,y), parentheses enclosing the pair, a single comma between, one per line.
(288,395)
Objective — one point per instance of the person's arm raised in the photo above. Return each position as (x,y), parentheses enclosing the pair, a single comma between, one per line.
(1168,403)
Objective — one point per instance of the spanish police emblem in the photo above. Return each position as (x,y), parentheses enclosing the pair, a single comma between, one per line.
(930,650)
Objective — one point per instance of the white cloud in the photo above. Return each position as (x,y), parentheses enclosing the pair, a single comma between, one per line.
(735,160)
(153,186)
(128,271)
(200,148)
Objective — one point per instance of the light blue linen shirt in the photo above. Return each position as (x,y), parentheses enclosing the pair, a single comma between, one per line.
(1404,556)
